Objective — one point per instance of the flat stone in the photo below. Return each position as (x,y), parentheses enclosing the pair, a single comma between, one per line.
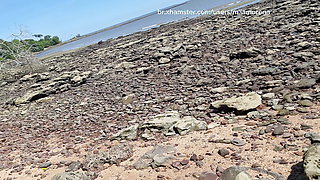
(305,103)
(162,122)
(164,60)
(305,83)
(238,142)
(207,176)
(265,71)
(247,53)
(128,99)
(243,103)
(45,165)
(279,130)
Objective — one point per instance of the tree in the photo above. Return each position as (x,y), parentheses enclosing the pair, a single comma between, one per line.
(55,40)
(47,37)
(37,35)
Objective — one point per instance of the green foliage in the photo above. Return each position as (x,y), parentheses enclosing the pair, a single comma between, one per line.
(9,49)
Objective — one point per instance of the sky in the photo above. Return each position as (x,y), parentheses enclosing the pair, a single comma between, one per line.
(67,18)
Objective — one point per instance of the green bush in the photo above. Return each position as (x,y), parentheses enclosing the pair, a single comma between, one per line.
(8,49)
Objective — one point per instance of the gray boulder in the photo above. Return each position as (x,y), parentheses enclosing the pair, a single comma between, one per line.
(188,124)
(311,162)
(158,156)
(114,155)
(243,103)
(162,122)
(171,123)
(235,173)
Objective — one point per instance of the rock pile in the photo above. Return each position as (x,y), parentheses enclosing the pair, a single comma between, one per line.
(253,80)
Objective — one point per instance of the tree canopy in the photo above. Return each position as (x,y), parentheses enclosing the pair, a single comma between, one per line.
(9,48)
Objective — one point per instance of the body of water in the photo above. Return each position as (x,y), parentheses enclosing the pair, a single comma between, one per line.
(145,22)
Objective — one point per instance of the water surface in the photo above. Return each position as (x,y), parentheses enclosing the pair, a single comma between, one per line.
(142,23)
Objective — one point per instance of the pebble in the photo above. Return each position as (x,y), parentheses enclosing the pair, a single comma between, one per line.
(223,152)
(194,157)
(199,163)
(280,161)
(184,162)
(238,142)
(305,126)
(286,135)
(45,165)
(207,176)
(306,103)
(256,165)
(177,165)
(279,130)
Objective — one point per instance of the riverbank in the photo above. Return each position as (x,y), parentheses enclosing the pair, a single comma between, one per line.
(70,117)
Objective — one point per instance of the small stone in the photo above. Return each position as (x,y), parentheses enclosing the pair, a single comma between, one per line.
(176,165)
(283,112)
(194,157)
(45,165)
(305,83)
(268,129)
(219,169)
(278,148)
(268,96)
(184,162)
(306,103)
(207,176)
(286,135)
(160,176)
(238,142)
(128,99)
(199,163)
(262,132)
(302,110)
(164,60)
(256,165)
(280,161)
(223,152)
(305,126)
(277,107)
(299,153)
(200,158)
(279,130)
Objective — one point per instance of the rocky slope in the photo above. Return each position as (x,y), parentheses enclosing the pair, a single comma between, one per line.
(191,68)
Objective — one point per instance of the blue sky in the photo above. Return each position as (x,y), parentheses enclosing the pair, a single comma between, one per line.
(67,18)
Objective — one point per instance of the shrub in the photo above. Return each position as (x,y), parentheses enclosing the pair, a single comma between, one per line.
(17,60)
